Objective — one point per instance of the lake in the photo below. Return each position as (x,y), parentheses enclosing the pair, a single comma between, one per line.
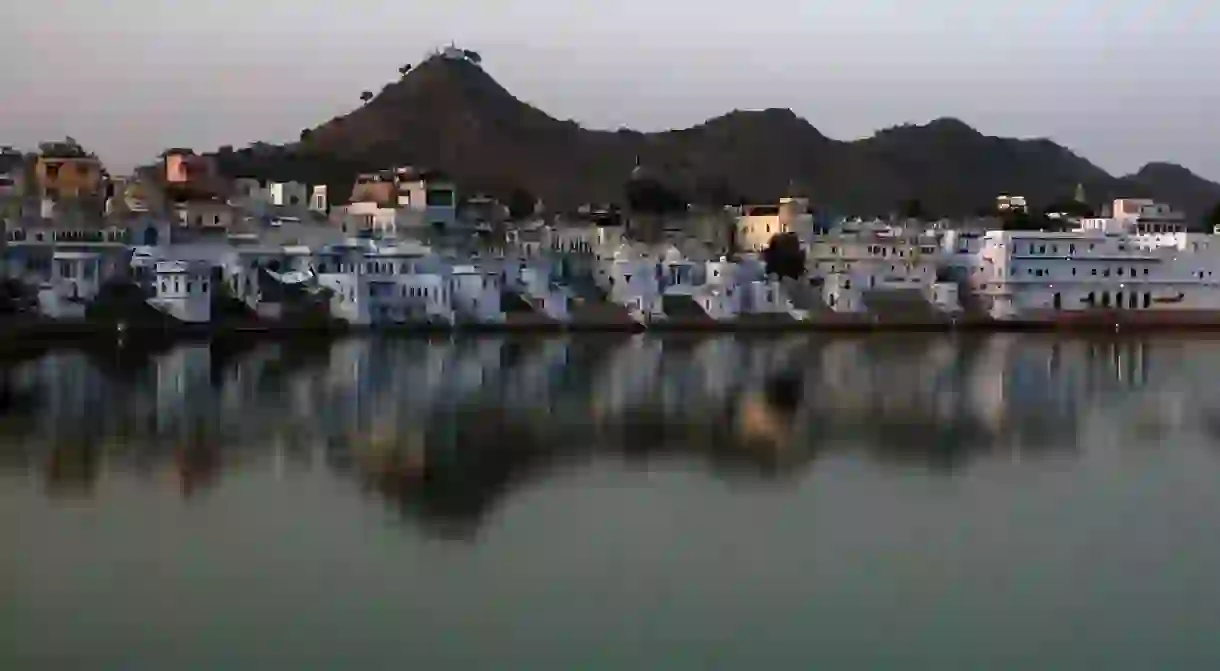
(590,502)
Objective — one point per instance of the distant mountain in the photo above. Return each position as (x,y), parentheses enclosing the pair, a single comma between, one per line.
(451,115)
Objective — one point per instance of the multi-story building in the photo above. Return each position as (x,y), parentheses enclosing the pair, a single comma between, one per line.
(64,170)
(759,223)
(425,198)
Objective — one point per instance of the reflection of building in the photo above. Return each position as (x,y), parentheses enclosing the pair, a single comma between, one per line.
(183,383)
(450,427)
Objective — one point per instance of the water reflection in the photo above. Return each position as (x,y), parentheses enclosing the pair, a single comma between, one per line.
(444,430)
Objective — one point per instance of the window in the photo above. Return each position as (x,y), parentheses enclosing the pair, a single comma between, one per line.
(1105,299)
(1058,301)
(65,269)
(1133,300)
(52,170)
(1094,272)
(82,169)
(1147,300)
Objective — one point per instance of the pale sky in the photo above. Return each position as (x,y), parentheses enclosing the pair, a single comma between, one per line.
(1120,82)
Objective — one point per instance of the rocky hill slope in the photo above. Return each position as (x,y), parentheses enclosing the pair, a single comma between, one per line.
(452,115)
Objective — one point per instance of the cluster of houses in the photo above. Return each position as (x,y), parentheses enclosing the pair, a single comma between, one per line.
(403,249)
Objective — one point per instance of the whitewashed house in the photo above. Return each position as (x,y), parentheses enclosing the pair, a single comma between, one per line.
(76,278)
(182,290)
(533,282)
(368,217)
(475,294)
(319,200)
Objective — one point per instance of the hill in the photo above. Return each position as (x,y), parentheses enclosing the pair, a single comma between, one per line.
(450,114)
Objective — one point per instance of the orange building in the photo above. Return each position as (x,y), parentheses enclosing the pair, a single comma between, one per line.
(65,176)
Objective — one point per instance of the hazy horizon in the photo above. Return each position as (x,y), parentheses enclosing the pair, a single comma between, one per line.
(1119,83)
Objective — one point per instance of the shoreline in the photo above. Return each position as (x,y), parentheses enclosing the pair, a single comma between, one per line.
(17,332)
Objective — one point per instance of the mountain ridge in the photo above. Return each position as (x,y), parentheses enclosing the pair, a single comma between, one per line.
(452,115)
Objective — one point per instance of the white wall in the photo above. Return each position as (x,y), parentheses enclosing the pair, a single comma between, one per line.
(183,291)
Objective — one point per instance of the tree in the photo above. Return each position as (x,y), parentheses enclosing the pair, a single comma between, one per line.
(784,256)
(912,208)
(716,191)
(521,203)
(472,56)
(1213,218)
(1070,207)
(404,69)
(305,133)
(366,96)
(650,196)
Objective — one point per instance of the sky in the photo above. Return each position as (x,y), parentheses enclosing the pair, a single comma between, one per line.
(1118,81)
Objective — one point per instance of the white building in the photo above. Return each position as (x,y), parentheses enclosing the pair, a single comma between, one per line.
(263,197)
(290,195)
(1139,264)
(182,290)
(318,199)
(368,217)
(475,294)
(76,278)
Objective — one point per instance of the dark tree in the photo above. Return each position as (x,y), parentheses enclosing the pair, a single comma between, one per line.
(1213,218)
(912,208)
(1018,220)
(305,133)
(716,191)
(521,203)
(472,56)
(784,256)
(366,96)
(1071,207)
(650,196)
(404,69)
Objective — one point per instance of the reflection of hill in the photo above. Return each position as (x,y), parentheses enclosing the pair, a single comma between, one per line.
(445,430)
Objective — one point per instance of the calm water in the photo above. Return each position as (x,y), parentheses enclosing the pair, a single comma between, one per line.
(624,503)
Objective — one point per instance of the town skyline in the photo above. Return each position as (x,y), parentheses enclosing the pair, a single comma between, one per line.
(1080,73)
